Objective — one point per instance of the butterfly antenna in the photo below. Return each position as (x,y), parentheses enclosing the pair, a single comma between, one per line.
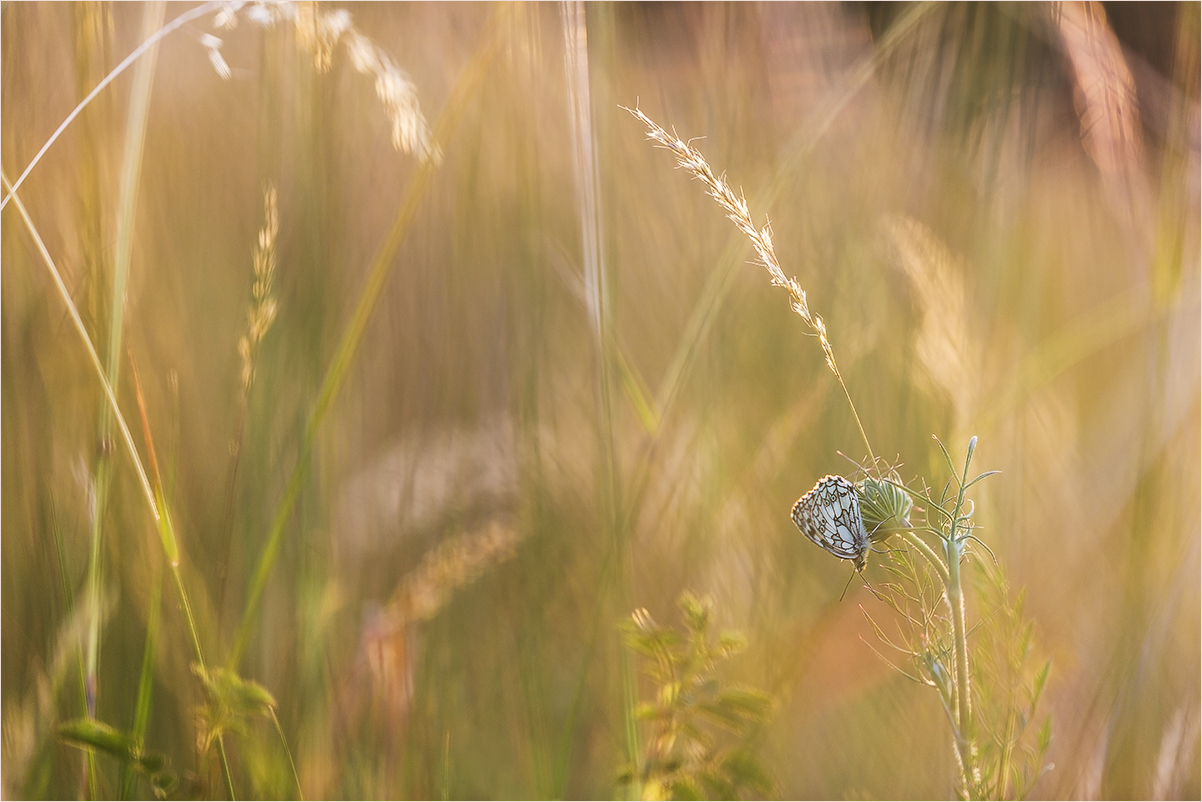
(845,587)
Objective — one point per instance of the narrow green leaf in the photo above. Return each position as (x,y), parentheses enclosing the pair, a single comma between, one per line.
(638,393)
(979,478)
(87,733)
(1045,736)
(166,530)
(951,466)
(1041,679)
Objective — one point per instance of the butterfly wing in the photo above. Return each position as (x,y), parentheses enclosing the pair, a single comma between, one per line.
(829,515)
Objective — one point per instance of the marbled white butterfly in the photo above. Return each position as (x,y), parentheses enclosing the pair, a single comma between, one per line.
(830,516)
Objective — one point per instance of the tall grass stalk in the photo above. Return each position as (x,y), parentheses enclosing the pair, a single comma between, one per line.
(146,679)
(131,169)
(596,285)
(260,316)
(69,598)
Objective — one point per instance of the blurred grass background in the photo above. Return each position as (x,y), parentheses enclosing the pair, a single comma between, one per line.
(995,208)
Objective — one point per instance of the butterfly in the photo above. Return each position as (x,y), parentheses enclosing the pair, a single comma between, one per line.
(830,516)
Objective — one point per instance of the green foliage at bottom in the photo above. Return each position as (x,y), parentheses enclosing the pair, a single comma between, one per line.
(701,728)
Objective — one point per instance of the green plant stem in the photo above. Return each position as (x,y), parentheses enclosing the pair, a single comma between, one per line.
(854,414)
(577,31)
(300,792)
(69,597)
(921,545)
(100,485)
(145,681)
(470,79)
(955,600)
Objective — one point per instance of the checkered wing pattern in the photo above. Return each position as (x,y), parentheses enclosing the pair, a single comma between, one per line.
(830,516)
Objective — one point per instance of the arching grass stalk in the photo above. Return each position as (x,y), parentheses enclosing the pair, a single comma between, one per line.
(652,409)
(735,206)
(138,52)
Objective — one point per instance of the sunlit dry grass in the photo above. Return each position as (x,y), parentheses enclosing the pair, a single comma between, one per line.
(994,208)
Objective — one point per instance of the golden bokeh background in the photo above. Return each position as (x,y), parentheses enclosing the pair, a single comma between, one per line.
(577,394)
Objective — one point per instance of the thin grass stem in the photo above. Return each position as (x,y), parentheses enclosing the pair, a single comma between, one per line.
(131,168)
(69,598)
(291,763)
(596,282)
(145,680)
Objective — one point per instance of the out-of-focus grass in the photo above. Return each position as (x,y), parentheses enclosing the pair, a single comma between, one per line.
(985,265)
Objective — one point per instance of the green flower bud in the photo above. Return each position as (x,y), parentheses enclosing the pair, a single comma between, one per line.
(885,507)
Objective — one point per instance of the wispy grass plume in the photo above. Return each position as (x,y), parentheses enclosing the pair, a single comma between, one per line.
(735,206)
(263,306)
(319,33)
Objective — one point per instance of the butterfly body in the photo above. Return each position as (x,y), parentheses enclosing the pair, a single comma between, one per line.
(829,515)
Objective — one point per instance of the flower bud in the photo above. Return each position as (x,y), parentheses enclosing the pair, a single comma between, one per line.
(885,507)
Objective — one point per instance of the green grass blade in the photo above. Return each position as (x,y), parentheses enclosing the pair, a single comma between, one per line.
(145,681)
